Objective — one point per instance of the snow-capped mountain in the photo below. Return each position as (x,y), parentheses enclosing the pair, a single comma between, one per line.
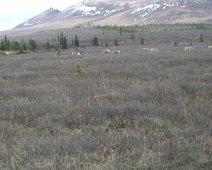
(128,12)
(92,8)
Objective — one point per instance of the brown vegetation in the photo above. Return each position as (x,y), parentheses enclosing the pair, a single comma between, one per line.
(135,110)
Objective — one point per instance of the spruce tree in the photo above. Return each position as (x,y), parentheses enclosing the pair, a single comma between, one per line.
(3,46)
(142,41)
(47,45)
(5,43)
(79,70)
(116,42)
(201,38)
(5,39)
(120,31)
(24,46)
(64,43)
(61,38)
(95,41)
(76,41)
(33,44)
(20,49)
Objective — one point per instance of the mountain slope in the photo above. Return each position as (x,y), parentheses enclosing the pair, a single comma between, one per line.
(126,12)
(44,17)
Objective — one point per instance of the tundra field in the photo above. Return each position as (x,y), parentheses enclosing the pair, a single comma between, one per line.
(133,110)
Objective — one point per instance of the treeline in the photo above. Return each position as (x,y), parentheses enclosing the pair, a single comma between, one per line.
(156,27)
(20,47)
(63,41)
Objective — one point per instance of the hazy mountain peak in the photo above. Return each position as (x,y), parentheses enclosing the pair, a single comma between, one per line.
(41,18)
(128,12)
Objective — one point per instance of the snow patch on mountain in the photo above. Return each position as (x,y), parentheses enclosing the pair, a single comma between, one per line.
(146,9)
(139,10)
(85,9)
(27,24)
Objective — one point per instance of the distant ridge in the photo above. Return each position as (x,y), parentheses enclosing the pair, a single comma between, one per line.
(44,17)
(125,12)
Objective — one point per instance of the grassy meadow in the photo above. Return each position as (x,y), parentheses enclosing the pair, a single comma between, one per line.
(133,110)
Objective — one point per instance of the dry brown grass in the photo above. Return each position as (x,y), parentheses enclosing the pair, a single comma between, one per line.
(134,110)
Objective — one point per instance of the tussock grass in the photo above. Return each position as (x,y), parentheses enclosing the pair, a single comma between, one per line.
(134,110)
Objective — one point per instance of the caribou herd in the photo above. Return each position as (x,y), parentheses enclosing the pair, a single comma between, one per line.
(192,48)
(76,53)
(73,53)
(114,51)
(153,50)
(189,48)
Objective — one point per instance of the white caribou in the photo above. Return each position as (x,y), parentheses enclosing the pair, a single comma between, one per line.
(146,49)
(116,52)
(76,53)
(153,50)
(106,51)
(189,48)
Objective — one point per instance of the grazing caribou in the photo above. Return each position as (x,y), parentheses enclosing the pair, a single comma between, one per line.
(116,52)
(151,49)
(106,51)
(189,48)
(79,53)
(76,53)
(154,50)
(146,49)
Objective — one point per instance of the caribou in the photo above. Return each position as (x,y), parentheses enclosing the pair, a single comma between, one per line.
(106,51)
(154,50)
(146,49)
(79,53)
(116,52)
(9,52)
(151,49)
(189,48)
(76,53)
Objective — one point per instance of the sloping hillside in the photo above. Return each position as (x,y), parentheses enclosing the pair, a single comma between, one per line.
(125,13)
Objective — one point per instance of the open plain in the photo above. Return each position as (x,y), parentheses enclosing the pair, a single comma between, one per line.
(133,110)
